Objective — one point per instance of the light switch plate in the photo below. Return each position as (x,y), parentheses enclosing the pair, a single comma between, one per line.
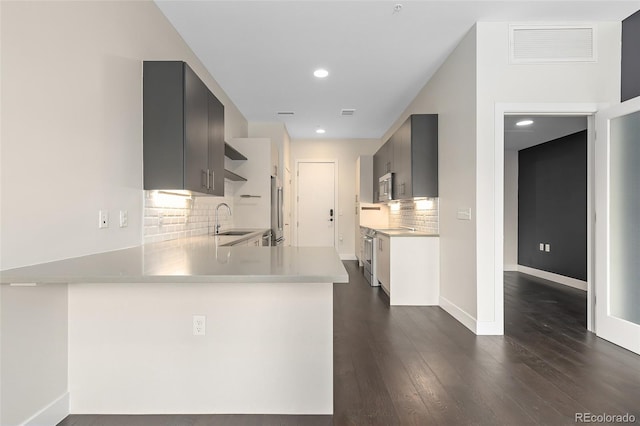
(464,213)
(124,219)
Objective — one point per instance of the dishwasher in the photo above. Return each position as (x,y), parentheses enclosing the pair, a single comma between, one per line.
(369,261)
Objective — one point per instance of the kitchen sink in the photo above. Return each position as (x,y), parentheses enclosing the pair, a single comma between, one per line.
(235,233)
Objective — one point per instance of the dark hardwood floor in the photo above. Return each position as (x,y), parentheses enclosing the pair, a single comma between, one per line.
(419,366)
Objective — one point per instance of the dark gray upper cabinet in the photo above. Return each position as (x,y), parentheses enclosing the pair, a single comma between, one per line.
(183,130)
(411,154)
(415,160)
(216,145)
(381,166)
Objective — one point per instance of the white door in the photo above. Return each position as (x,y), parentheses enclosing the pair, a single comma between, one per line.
(617,247)
(316,204)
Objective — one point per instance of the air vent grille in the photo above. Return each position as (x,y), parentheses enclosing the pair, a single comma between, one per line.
(543,44)
(347,112)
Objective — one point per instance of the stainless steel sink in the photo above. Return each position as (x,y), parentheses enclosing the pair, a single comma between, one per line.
(235,233)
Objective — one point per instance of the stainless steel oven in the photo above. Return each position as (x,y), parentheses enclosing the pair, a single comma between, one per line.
(369,261)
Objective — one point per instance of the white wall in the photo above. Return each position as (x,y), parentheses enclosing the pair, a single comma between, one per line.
(346,152)
(34,339)
(71,138)
(510,210)
(451,94)
(500,82)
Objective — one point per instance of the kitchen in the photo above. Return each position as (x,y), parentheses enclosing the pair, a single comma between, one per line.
(77,123)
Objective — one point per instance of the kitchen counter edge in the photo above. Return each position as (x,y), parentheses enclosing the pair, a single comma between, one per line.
(190,260)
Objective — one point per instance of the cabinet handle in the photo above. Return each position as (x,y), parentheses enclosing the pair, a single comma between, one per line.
(205,181)
(403,188)
(213,180)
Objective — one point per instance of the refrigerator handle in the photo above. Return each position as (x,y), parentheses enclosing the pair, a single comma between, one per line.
(280,208)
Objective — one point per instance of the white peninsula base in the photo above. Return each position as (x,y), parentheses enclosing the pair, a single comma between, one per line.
(268,348)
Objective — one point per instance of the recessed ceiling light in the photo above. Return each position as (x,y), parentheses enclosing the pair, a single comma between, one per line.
(524,123)
(321,73)
(320,131)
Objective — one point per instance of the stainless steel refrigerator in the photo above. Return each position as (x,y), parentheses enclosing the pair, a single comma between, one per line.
(277,219)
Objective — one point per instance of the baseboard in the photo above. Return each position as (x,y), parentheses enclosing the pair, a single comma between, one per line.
(510,268)
(347,256)
(489,328)
(480,328)
(52,414)
(560,279)
(458,313)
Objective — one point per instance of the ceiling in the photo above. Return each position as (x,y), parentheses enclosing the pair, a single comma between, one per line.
(263,53)
(545,128)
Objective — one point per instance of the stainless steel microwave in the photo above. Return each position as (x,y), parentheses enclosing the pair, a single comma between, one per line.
(386,187)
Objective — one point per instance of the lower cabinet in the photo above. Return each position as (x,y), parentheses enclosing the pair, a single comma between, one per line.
(408,269)
(252,242)
(383,262)
(255,242)
(359,247)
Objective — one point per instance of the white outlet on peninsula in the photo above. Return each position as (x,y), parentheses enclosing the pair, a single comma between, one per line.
(199,325)
(103,219)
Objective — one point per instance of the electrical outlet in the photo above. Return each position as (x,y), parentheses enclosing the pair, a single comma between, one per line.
(547,248)
(160,219)
(124,219)
(103,219)
(199,325)
(541,246)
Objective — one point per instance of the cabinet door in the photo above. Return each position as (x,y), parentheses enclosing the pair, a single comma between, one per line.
(402,161)
(383,261)
(216,145)
(196,120)
(424,155)
(377,172)
(163,124)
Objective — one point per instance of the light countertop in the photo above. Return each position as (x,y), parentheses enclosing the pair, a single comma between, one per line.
(191,260)
(401,232)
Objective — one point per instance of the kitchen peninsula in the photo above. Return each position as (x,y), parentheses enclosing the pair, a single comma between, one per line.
(131,336)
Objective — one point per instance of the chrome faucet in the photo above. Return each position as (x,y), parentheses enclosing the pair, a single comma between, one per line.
(216,225)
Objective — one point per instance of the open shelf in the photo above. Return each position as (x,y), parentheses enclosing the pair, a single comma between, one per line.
(232,153)
(233,177)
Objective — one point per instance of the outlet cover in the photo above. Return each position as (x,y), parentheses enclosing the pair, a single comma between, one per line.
(103,219)
(547,248)
(124,219)
(199,325)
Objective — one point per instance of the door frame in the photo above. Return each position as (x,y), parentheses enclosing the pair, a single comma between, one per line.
(502,109)
(336,207)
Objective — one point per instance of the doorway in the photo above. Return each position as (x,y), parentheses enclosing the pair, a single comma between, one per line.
(316,217)
(546,199)
(569,109)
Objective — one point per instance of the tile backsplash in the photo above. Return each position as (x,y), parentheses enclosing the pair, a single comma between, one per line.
(169,216)
(419,214)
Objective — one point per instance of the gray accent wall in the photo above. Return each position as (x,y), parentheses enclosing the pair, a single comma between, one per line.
(552,206)
(630,87)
